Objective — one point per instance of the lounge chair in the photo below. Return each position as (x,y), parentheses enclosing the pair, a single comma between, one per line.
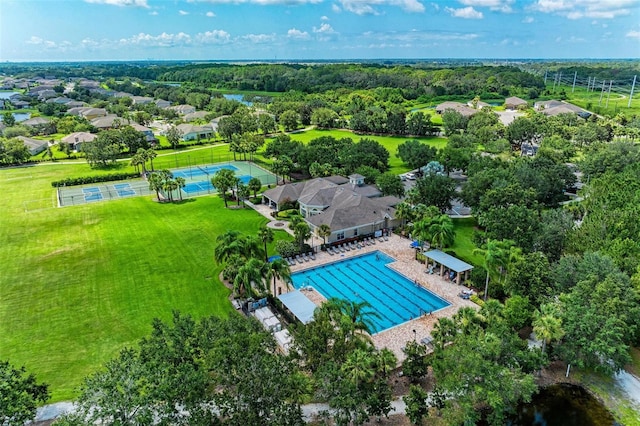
(339,248)
(304,257)
(367,241)
(312,256)
(380,240)
(386,238)
(373,241)
(290,261)
(352,245)
(299,259)
(330,250)
(346,247)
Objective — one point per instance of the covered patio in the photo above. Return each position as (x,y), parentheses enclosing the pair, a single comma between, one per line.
(299,305)
(449,262)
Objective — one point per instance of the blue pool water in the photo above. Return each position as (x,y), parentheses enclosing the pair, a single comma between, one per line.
(395,298)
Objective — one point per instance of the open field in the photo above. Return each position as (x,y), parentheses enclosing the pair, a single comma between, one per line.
(79,283)
(592,101)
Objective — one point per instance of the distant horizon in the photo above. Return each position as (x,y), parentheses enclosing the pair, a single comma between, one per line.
(316,30)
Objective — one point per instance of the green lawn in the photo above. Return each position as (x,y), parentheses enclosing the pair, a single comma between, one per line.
(79,283)
(463,244)
(389,142)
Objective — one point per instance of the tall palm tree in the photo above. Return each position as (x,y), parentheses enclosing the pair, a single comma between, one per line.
(251,247)
(359,314)
(181,182)
(251,277)
(323,232)
(547,327)
(266,236)
(442,231)
(155,184)
(151,154)
(495,257)
(279,270)
(228,243)
(404,212)
(302,232)
(170,185)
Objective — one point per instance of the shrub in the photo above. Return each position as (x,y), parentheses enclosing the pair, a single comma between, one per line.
(82,180)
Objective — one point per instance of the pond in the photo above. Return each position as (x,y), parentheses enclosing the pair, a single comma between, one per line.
(7,95)
(562,405)
(236,97)
(21,116)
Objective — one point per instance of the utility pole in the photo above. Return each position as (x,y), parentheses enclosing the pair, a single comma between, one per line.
(633,86)
(606,105)
(555,79)
(545,77)
(575,75)
(601,94)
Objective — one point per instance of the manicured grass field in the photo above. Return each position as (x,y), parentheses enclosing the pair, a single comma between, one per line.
(463,243)
(79,283)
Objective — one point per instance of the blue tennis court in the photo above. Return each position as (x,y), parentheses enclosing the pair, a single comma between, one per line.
(206,185)
(92,194)
(394,299)
(124,189)
(201,172)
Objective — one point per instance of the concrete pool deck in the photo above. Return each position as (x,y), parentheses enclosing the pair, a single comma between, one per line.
(396,338)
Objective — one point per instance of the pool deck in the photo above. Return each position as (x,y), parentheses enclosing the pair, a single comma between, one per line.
(399,248)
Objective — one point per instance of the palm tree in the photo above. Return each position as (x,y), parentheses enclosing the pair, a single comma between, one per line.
(266,236)
(251,247)
(181,182)
(155,184)
(151,154)
(495,257)
(404,212)
(359,367)
(228,243)
(359,319)
(439,230)
(386,361)
(143,157)
(223,180)
(254,185)
(323,231)
(251,278)
(547,326)
(279,270)
(170,185)
(302,232)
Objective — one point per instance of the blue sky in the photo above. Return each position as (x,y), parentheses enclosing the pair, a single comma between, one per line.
(68,30)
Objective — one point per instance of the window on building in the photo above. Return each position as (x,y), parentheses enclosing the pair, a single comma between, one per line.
(340,235)
(355,232)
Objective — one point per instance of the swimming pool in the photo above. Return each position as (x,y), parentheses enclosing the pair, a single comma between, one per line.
(395,298)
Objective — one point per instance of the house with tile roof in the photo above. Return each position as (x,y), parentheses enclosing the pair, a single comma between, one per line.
(349,207)
(192,132)
(35,146)
(76,139)
(515,102)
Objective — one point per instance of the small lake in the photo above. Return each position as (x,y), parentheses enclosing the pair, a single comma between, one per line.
(239,98)
(562,405)
(7,95)
(21,116)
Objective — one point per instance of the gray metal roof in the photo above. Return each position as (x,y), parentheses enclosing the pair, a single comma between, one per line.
(299,305)
(450,262)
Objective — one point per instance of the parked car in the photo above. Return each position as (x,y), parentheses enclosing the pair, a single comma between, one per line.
(411,176)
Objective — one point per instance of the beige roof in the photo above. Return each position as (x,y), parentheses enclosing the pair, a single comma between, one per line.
(456,106)
(36,121)
(79,137)
(514,100)
(105,122)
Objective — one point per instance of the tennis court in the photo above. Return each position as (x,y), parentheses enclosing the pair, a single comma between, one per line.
(198,178)
(73,195)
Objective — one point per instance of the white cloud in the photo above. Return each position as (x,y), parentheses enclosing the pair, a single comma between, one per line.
(297,34)
(38,41)
(527,20)
(336,8)
(633,34)
(154,13)
(436,6)
(259,38)
(496,5)
(213,37)
(324,29)
(465,13)
(210,15)
(324,18)
(136,3)
(366,7)
(259,2)
(183,13)
(161,40)
(415,36)
(577,9)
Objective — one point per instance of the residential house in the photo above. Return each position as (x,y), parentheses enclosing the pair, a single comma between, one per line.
(35,146)
(107,122)
(20,104)
(92,113)
(36,121)
(75,140)
(198,115)
(61,100)
(456,106)
(191,132)
(514,102)
(554,107)
(141,100)
(148,133)
(162,104)
(183,109)
(348,206)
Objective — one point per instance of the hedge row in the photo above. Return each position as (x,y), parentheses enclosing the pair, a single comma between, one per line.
(94,179)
